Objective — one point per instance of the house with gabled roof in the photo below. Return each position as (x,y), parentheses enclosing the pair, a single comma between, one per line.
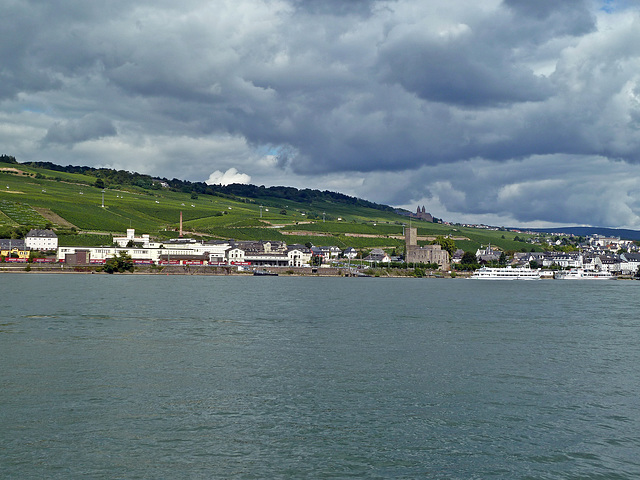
(14,246)
(321,252)
(629,263)
(299,256)
(42,240)
(564,260)
(488,254)
(378,255)
(606,263)
(350,252)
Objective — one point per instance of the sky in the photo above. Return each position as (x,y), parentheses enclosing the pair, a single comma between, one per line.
(505,112)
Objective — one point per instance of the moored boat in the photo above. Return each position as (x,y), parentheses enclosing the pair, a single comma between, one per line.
(583,274)
(264,273)
(506,273)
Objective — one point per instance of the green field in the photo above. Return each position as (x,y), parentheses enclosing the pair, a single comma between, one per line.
(68,202)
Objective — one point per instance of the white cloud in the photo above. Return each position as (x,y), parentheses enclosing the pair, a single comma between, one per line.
(227,178)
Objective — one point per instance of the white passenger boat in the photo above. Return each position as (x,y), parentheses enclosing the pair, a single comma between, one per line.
(582,274)
(506,273)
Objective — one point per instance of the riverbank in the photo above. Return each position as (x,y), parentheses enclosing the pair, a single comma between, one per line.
(233,271)
(228,270)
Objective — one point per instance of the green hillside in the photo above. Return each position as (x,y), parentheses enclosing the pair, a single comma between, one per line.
(38,197)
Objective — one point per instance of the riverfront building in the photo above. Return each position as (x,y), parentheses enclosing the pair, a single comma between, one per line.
(187,251)
(13,246)
(426,254)
(43,240)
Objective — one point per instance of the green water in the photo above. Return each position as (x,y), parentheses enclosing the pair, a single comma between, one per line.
(229,377)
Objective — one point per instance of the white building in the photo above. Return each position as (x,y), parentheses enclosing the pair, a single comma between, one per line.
(612,244)
(100,254)
(488,254)
(214,252)
(267,259)
(378,255)
(189,251)
(42,240)
(629,263)
(564,260)
(235,255)
(299,257)
(350,253)
(131,237)
(603,263)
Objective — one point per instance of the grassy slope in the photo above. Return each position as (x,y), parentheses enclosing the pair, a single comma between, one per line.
(153,211)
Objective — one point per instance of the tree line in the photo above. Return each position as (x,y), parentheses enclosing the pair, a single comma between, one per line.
(106,177)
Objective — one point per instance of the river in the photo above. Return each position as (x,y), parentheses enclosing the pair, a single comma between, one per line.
(136,377)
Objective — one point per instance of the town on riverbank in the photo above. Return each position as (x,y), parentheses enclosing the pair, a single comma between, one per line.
(39,251)
(81,219)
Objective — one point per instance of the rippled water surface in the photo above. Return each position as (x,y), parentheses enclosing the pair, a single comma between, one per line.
(275,377)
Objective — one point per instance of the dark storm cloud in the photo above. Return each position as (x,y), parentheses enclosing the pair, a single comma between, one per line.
(335,7)
(460,73)
(300,90)
(90,127)
(483,62)
(20,71)
(572,16)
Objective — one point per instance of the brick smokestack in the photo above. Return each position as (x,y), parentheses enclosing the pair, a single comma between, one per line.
(180,223)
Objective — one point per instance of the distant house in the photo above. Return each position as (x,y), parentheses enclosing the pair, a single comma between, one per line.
(485,255)
(299,256)
(457,256)
(321,252)
(235,255)
(378,255)
(13,246)
(564,260)
(252,247)
(525,258)
(259,253)
(604,263)
(42,240)
(609,263)
(350,252)
(629,262)
(608,243)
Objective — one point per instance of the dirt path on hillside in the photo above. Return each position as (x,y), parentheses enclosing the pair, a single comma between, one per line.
(397,237)
(307,234)
(53,217)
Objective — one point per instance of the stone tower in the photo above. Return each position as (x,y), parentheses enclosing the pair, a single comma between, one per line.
(410,237)
(426,254)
